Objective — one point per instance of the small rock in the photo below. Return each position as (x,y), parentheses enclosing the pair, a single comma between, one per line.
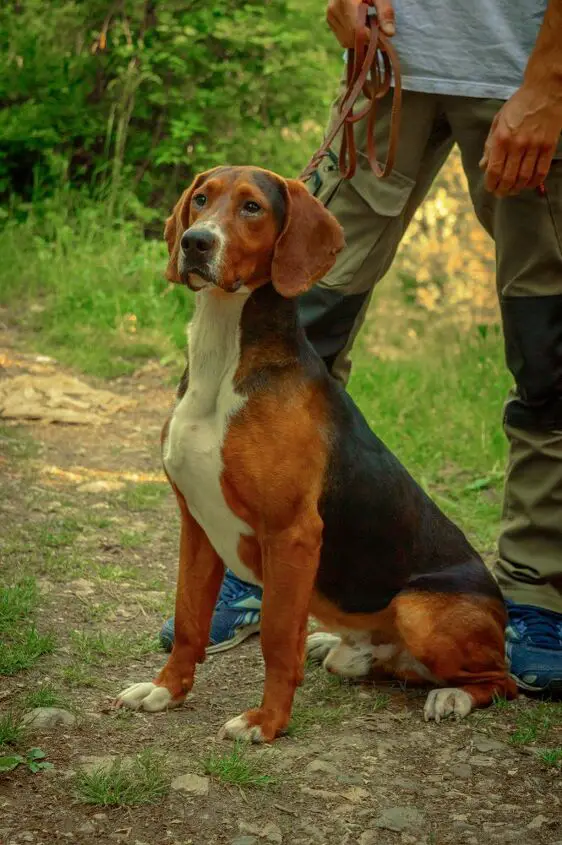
(101,486)
(537,822)
(482,760)
(252,829)
(245,840)
(352,780)
(407,784)
(484,744)
(81,587)
(87,827)
(99,816)
(369,837)
(399,818)
(320,766)
(272,833)
(26,836)
(355,794)
(462,770)
(192,784)
(47,718)
(93,763)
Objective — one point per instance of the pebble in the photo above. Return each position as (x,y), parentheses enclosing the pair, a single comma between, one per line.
(399,818)
(26,836)
(245,840)
(272,833)
(537,822)
(101,486)
(482,760)
(462,770)
(192,784)
(47,718)
(484,744)
(99,816)
(320,767)
(87,827)
(93,763)
(369,837)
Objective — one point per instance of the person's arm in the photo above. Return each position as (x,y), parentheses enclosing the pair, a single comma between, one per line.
(526,130)
(342,18)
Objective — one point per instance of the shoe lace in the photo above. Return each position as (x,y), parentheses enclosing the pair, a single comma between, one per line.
(540,626)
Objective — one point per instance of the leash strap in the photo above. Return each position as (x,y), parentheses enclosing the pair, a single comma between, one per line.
(373,55)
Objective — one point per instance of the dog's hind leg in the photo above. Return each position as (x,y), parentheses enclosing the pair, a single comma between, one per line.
(458,641)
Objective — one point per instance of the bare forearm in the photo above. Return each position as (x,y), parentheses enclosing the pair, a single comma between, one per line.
(545,62)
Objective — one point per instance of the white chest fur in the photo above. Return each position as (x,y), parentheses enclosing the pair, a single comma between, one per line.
(193,450)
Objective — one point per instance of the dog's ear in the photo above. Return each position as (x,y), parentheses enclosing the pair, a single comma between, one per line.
(308,245)
(176,225)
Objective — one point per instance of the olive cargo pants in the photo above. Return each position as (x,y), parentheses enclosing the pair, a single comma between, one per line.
(527,230)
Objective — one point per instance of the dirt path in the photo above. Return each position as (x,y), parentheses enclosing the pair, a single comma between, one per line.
(84,511)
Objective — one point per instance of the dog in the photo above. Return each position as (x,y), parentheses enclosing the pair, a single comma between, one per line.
(279,478)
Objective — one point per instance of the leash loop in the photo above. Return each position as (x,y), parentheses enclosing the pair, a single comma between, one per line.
(371,66)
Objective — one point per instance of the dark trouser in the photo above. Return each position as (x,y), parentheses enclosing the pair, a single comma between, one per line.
(527,230)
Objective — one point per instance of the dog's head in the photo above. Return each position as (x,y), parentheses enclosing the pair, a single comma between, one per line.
(239,227)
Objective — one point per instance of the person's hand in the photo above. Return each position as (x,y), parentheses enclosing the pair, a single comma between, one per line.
(342,18)
(522,140)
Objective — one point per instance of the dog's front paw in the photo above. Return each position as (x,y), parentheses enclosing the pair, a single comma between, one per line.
(446,702)
(254,726)
(147,696)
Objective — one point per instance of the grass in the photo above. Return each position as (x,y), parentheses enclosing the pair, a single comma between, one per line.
(144,781)
(144,496)
(305,717)
(16,444)
(238,768)
(45,696)
(101,301)
(116,573)
(11,730)
(99,647)
(552,757)
(537,723)
(21,645)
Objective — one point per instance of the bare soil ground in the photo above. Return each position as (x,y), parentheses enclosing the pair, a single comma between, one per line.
(85,512)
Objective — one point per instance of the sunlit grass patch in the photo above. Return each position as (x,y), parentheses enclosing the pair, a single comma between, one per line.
(144,495)
(238,767)
(143,781)
(102,647)
(21,645)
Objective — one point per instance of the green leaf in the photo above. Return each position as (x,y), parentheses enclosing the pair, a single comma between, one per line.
(10,762)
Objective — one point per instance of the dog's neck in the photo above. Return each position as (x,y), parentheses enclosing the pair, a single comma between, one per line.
(234,336)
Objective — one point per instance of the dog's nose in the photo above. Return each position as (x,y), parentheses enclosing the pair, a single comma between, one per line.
(198,241)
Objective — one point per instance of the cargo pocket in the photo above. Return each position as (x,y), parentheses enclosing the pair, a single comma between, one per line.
(369,211)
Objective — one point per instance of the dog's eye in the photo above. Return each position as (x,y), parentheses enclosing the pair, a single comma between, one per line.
(199,200)
(251,207)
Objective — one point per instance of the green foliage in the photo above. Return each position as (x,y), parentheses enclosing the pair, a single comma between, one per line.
(150,93)
(11,729)
(237,767)
(20,644)
(34,760)
(140,781)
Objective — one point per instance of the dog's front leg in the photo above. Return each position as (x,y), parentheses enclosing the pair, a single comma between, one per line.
(290,561)
(199,579)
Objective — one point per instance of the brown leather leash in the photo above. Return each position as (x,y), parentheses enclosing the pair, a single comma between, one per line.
(373,55)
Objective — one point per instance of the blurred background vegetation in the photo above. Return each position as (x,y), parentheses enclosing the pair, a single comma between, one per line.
(107,111)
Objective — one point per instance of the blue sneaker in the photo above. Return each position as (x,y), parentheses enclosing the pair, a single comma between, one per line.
(533,645)
(236,617)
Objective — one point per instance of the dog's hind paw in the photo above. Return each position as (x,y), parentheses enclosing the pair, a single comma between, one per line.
(447,702)
(146,696)
(319,645)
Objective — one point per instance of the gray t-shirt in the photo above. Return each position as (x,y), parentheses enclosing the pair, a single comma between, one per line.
(471,48)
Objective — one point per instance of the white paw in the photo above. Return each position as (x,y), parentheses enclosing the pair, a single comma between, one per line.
(147,696)
(238,728)
(444,702)
(319,645)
